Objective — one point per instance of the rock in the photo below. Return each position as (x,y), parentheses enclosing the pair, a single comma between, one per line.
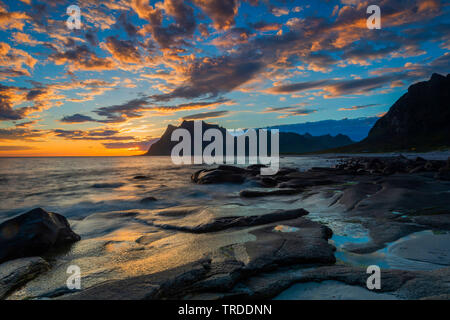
(268,182)
(256,167)
(107,185)
(224,175)
(427,285)
(263,193)
(222,223)
(417,169)
(429,166)
(34,233)
(16,273)
(148,199)
(306,244)
(443,175)
(141,177)
(421,160)
(170,283)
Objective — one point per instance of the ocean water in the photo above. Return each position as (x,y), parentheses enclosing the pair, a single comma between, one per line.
(79,186)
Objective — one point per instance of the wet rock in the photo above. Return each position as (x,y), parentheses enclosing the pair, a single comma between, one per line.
(388,165)
(256,167)
(443,175)
(222,223)
(107,185)
(421,160)
(268,182)
(223,174)
(428,248)
(263,193)
(307,245)
(16,273)
(161,285)
(419,168)
(438,222)
(149,199)
(34,233)
(427,285)
(141,177)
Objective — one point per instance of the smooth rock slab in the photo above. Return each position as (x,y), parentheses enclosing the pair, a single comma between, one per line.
(427,248)
(331,290)
(203,220)
(16,273)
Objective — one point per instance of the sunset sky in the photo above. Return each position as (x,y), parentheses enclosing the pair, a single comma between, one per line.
(135,66)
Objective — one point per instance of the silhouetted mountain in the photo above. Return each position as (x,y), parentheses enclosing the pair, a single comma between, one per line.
(356,129)
(418,121)
(289,142)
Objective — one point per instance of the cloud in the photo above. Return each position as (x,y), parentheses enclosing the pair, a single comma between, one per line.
(361,86)
(266,26)
(77,118)
(290,111)
(121,112)
(26,124)
(21,134)
(122,50)
(12,20)
(221,12)
(214,76)
(16,60)
(337,88)
(134,145)
(206,115)
(129,28)
(299,86)
(95,134)
(16,148)
(172,34)
(135,109)
(358,107)
(278,12)
(81,58)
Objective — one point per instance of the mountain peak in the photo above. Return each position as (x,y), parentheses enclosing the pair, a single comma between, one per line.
(419,120)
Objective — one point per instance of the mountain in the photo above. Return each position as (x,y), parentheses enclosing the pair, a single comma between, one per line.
(418,121)
(290,143)
(356,129)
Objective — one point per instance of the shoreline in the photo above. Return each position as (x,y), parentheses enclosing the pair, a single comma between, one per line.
(237,241)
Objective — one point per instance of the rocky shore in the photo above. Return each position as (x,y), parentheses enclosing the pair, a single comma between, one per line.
(267,237)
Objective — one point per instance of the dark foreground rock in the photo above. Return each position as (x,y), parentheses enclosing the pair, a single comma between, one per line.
(16,273)
(222,223)
(33,234)
(223,174)
(398,284)
(298,241)
(159,285)
(392,165)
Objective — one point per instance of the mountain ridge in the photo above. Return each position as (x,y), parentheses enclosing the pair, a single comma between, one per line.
(290,143)
(418,121)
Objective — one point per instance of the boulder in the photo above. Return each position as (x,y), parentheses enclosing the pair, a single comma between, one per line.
(223,174)
(34,233)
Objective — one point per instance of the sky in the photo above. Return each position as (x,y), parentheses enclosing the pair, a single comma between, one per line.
(112,86)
